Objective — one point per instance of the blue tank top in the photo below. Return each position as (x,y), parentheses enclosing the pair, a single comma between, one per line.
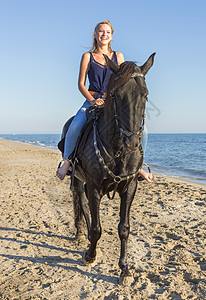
(99,76)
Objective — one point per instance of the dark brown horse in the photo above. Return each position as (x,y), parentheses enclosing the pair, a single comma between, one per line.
(110,155)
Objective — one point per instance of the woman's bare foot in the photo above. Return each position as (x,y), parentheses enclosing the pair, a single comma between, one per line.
(147,176)
(62,171)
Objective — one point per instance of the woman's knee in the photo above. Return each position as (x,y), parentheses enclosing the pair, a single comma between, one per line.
(75,129)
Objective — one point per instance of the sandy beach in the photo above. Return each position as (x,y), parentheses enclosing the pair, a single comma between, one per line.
(40,258)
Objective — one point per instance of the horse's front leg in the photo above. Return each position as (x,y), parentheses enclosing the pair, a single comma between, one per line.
(124,225)
(94,198)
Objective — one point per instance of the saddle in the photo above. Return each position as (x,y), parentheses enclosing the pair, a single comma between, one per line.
(93,112)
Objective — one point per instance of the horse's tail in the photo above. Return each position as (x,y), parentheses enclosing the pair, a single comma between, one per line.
(81,207)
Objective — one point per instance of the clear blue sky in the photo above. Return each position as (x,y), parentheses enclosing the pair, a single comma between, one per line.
(41,43)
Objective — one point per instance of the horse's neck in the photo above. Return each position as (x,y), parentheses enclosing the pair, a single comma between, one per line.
(110,134)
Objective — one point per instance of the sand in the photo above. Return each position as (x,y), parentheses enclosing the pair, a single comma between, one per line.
(40,258)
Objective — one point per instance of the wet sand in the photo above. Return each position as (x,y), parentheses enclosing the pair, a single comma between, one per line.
(40,258)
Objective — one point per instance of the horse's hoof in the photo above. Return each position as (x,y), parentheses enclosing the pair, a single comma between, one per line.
(87,260)
(126,280)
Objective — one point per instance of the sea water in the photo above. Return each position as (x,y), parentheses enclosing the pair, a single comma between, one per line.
(42,140)
(177,155)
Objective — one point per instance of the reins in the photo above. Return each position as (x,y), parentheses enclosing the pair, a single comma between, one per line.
(123,132)
(117,179)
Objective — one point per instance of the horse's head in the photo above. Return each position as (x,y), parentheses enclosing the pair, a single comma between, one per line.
(127,93)
(144,68)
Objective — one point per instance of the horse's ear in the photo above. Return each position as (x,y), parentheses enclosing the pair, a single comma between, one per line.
(111,64)
(145,68)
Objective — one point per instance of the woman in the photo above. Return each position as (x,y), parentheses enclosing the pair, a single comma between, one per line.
(94,66)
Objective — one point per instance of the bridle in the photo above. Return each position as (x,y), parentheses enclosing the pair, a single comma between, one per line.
(123,132)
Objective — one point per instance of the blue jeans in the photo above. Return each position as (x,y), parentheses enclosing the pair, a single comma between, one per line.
(75,129)
(144,139)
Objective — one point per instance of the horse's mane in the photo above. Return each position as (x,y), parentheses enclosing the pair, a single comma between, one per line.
(125,72)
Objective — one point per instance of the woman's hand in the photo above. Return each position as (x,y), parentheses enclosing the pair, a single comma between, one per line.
(99,101)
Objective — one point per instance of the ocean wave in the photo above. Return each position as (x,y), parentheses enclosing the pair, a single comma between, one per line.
(181,155)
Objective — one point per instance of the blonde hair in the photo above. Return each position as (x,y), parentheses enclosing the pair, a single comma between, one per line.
(94,47)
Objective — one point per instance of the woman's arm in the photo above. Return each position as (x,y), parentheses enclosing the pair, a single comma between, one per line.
(120,58)
(84,68)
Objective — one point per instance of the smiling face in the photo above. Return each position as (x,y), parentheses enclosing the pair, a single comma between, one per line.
(103,35)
